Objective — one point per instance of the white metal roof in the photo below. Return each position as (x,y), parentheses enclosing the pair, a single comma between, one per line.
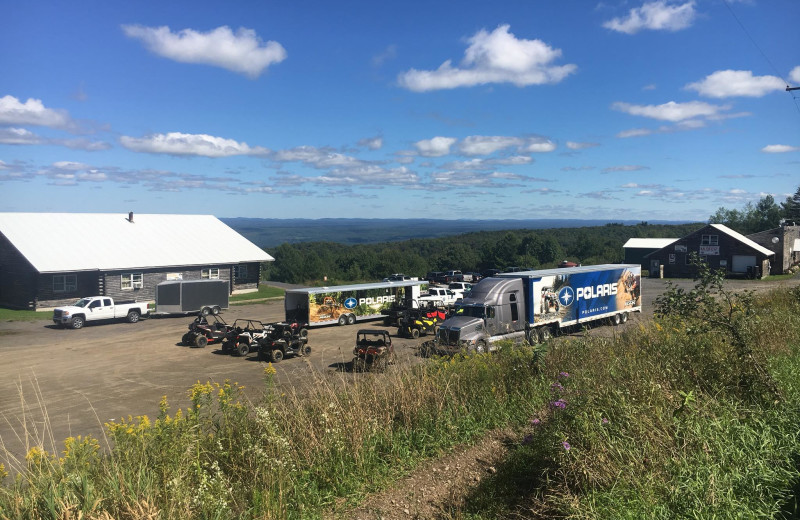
(558,271)
(649,243)
(59,242)
(738,236)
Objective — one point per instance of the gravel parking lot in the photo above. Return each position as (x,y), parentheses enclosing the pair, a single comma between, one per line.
(56,383)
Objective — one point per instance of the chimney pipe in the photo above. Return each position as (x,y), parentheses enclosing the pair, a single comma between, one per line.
(130,217)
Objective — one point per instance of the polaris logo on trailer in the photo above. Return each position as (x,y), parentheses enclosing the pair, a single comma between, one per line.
(350,303)
(374,301)
(566,296)
(588,293)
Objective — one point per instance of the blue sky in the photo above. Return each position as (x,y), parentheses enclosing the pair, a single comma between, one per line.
(528,109)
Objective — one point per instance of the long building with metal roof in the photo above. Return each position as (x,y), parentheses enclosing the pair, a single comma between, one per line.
(47,259)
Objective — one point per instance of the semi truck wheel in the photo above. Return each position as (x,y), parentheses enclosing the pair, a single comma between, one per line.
(133,316)
(624,317)
(615,319)
(545,334)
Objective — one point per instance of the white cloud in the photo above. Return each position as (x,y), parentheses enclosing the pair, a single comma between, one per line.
(320,158)
(625,168)
(436,147)
(671,111)
(243,52)
(660,15)
(794,75)
(176,143)
(18,136)
(32,112)
(496,57)
(486,145)
(537,145)
(729,83)
(373,143)
(572,145)
(780,148)
(634,132)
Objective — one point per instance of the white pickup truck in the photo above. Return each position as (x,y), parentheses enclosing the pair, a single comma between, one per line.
(440,294)
(93,308)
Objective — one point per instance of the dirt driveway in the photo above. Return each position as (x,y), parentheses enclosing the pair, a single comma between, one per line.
(56,383)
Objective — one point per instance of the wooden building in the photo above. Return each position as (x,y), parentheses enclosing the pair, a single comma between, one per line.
(51,259)
(636,249)
(717,245)
(784,241)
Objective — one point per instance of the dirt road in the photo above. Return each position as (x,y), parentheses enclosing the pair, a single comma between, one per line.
(56,383)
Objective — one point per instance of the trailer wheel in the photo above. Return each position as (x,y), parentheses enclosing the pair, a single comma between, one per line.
(545,334)
(415,333)
(342,320)
(242,349)
(201,341)
(277,355)
(351,318)
(205,311)
(616,320)
(215,310)
(133,316)
(624,317)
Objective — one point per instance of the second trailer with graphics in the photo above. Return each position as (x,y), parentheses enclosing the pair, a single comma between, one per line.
(346,304)
(532,305)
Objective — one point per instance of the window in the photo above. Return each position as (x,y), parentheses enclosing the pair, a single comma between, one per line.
(241,271)
(709,240)
(65,283)
(132,281)
(212,273)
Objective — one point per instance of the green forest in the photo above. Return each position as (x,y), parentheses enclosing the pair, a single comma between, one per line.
(311,262)
(330,263)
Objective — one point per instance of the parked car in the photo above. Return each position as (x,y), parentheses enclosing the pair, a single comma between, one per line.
(433,276)
(490,272)
(439,294)
(398,277)
(460,288)
(98,308)
(471,276)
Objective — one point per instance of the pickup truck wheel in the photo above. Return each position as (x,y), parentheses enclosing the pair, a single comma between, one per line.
(133,316)
(77,322)
(342,320)
(201,341)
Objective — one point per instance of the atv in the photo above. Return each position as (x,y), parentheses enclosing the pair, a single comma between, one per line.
(373,351)
(422,321)
(202,332)
(283,339)
(246,334)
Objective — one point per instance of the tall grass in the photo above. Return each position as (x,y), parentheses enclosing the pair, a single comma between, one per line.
(660,422)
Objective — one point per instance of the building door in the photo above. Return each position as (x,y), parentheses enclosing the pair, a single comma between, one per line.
(742,262)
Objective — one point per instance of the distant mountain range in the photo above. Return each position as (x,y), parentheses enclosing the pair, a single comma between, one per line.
(268,232)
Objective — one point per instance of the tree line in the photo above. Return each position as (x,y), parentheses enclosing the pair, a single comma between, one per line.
(330,263)
(765,214)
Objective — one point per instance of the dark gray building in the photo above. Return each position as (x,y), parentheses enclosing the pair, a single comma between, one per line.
(51,259)
(784,241)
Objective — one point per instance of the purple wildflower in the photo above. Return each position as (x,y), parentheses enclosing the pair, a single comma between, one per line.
(535,422)
(604,421)
(566,445)
(558,404)
(556,387)
(563,375)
